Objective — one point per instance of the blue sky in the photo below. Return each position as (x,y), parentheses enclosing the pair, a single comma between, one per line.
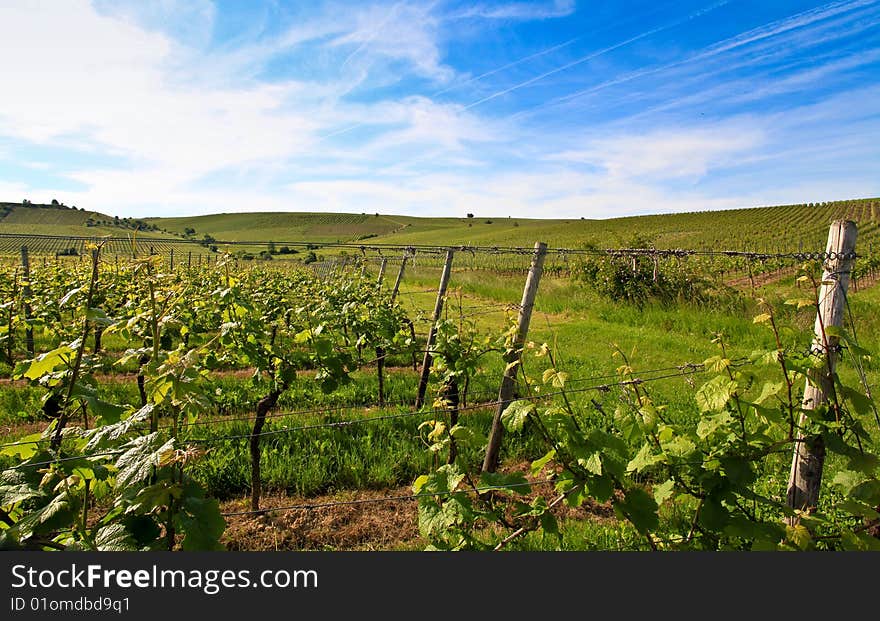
(550,108)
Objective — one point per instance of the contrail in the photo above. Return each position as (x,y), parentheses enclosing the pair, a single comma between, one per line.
(546,51)
(391,13)
(756,34)
(593,55)
(509,65)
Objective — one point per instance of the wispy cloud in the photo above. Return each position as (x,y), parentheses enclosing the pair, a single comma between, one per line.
(517,10)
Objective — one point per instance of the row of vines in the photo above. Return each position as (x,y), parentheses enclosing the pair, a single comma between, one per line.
(112,475)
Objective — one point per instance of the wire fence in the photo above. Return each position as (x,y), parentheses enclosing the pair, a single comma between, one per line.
(644,377)
(36,243)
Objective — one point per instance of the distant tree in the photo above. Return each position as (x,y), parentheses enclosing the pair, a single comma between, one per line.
(488,222)
(189,231)
(271,248)
(310,258)
(55,202)
(470,215)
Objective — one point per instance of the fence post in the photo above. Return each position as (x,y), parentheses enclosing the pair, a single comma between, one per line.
(26,300)
(171,261)
(809,452)
(513,356)
(438,309)
(381,271)
(399,278)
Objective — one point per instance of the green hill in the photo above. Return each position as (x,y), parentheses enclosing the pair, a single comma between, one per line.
(786,227)
(778,228)
(22,219)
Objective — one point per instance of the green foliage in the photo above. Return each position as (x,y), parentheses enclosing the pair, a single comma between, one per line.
(683,485)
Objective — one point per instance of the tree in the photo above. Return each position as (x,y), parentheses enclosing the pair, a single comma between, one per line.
(189,231)
(470,215)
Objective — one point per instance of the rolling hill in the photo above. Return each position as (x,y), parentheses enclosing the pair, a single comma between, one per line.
(777,228)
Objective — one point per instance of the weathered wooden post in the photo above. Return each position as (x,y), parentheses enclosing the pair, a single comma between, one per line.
(189,260)
(432,334)
(809,454)
(513,356)
(171,261)
(26,300)
(381,271)
(399,278)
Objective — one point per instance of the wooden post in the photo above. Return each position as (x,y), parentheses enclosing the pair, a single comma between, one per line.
(26,300)
(399,278)
(513,356)
(381,271)
(809,454)
(171,261)
(189,259)
(432,334)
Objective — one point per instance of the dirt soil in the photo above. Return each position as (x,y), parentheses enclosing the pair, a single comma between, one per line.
(386,525)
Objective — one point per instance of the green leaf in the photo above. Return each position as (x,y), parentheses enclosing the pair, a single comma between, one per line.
(142,455)
(859,541)
(541,462)
(200,520)
(800,302)
(799,535)
(846,480)
(714,394)
(46,363)
(860,509)
(515,482)
(142,528)
(867,491)
(57,514)
(115,538)
(107,435)
(466,436)
(770,389)
(645,458)
(515,415)
(640,508)
(11,494)
(24,448)
(593,464)
(713,515)
(664,491)
(710,424)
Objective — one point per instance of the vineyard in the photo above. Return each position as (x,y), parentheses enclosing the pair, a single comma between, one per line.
(159,393)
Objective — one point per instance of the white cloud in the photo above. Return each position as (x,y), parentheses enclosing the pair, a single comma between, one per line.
(666,153)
